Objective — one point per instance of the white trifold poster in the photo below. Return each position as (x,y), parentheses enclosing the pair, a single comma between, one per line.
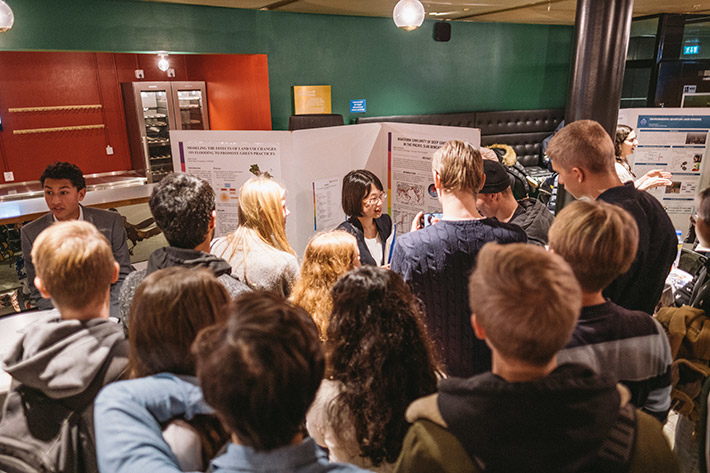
(311,164)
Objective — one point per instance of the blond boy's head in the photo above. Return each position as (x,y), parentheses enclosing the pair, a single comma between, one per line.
(526,300)
(583,144)
(597,239)
(74,265)
(459,166)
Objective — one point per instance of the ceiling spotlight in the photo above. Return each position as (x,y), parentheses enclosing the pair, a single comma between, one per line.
(408,14)
(7,18)
(163,63)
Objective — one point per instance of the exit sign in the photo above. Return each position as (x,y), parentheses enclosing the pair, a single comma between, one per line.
(695,49)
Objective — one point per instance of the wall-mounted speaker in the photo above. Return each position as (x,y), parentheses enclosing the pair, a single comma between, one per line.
(442,31)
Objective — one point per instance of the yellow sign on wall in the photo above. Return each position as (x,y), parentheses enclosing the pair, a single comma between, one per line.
(311,99)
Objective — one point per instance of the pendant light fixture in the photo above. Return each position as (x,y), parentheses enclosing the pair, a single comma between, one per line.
(7,18)
(408,14)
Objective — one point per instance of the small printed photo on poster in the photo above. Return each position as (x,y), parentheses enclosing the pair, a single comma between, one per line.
(697,158)
(695,138)
(673,188)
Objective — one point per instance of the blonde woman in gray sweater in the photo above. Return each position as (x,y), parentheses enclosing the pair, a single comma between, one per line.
(258,250)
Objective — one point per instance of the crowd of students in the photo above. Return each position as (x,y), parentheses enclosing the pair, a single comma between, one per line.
(475,351)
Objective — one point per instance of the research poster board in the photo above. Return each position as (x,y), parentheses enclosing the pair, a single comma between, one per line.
(674,140)
(409,155)
(311,164)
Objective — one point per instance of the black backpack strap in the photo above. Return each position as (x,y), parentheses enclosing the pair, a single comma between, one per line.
(617,449)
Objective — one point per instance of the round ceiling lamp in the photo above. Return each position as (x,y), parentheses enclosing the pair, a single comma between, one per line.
(7,18)
(408,14)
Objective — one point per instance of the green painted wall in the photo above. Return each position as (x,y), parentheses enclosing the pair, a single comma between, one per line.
(485,66)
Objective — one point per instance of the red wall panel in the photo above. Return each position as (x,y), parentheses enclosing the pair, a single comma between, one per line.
(238,96)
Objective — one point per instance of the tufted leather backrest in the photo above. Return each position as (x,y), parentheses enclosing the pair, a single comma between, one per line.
(508,122)
(467,119)
(314,120)
(527,146)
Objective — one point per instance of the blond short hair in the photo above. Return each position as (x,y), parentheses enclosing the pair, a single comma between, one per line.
(459,165)
(584,144)
(526,299)
(74,262)
(597,239)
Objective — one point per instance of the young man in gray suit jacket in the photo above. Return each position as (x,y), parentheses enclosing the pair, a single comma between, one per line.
(64,188)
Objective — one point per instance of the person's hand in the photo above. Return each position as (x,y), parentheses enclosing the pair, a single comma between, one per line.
(659,173)
(417,223)
(655,181)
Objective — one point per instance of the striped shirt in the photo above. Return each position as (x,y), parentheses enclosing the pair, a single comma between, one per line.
(630,345)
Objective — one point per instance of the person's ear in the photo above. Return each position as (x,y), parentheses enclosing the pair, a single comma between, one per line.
(39,284)
(483,182)
(82,194)
(477,329)
(116,272)
(213,220)
(437,178)
(580,174)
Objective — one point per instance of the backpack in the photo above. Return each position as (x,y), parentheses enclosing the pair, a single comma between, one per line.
(39,434)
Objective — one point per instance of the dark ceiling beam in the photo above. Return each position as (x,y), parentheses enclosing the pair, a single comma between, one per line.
(275,5)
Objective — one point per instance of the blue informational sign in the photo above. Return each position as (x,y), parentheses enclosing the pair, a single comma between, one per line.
(358,106)
(694,49)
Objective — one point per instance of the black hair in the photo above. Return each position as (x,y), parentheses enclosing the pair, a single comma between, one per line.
(356,186)
(182,206)
(378,347)
(62,170)
(261,368)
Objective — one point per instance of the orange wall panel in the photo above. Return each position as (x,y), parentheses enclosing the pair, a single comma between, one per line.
(237,89)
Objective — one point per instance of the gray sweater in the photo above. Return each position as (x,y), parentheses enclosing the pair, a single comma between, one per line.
(168,257)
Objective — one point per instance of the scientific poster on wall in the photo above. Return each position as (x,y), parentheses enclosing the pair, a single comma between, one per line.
(412,186)
(677,144)
(228,165)
(674,140)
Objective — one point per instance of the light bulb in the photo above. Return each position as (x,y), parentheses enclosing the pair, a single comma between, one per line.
(7,18)
(408,14)
(163,63)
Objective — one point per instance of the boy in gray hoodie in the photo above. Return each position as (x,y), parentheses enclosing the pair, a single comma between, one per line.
(61,362)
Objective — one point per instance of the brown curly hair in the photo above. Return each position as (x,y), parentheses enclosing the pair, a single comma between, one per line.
(379,349)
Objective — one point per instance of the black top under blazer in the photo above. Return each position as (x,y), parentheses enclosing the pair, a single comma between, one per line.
(384,227)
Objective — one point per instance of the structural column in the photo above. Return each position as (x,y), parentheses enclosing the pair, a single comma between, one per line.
(602,30)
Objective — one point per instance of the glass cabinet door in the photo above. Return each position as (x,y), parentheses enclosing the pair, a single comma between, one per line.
(157,132)
(190,103)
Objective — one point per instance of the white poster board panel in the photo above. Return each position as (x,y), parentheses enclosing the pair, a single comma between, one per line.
(410,148)
(674,140)
(326,154)
(227,159)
